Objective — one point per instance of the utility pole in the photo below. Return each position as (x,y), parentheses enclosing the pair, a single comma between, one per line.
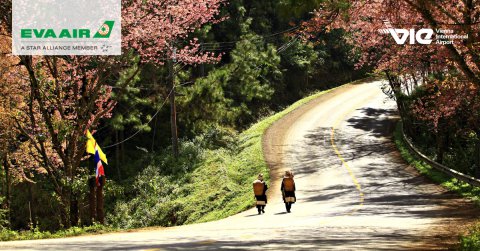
(173,110)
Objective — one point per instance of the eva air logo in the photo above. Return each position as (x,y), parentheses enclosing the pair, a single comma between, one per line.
(422,36)
(103,32)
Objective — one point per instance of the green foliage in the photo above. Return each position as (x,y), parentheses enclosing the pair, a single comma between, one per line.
(173,192)
(297,9)
(3,216)
(128,95)
(456,142)
(303,56)
(234,94)
(471,242)
(452,184)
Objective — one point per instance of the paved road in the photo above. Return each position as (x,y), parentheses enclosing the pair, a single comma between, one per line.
(354,191)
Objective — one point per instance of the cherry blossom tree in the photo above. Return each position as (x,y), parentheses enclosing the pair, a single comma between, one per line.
(160,31)
(364,19)
(63,96)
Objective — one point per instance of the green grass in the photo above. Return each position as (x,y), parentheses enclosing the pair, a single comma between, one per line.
(467,242)
(471,241)
(11,235)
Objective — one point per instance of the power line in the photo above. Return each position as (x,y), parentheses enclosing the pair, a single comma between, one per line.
(280,50)
(224,46)
(151,119)
(260,36)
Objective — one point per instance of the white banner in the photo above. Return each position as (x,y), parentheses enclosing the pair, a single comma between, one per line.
(66,27)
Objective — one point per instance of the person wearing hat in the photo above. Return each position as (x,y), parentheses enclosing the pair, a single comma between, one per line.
(259,189)
(288,190)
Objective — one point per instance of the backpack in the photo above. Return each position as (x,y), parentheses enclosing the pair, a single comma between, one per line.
(288,184)
(258,188)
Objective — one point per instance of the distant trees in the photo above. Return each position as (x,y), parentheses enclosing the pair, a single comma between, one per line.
(232,94)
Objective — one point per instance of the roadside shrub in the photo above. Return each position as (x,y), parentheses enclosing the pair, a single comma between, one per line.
(36,233)
(471,242)
(3,216)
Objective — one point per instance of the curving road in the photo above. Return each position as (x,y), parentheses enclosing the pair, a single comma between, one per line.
(354,191)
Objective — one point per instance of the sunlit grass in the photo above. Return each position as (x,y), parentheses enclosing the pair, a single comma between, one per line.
(10,235)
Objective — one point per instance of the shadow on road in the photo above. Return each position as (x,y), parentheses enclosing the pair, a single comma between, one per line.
(377,122)
(391,188)
(310,239)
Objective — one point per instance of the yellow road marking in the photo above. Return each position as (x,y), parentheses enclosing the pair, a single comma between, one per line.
(344,163)
(206,242)
(247,236)
(350,172)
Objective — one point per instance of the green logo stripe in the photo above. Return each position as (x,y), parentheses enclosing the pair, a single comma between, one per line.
(105,30)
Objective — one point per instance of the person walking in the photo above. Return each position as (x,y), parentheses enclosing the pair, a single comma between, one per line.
(288,190)
(259,189)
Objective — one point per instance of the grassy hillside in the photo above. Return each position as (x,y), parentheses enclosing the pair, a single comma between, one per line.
(202,185)
(215,183)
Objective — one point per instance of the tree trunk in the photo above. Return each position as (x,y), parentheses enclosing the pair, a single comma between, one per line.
(91,201)
(32,207)
(64,211)
(6,168)
(173,111)
(100,213)
(396,90)
(477,158)
(440,146)
(122,146)
(202,66)
(117,156)
(73,210)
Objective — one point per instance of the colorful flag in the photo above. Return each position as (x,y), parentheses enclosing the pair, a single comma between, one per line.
(99,171)
(95,149)
(92,147)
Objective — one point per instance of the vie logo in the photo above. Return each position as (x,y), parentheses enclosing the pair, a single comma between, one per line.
(104,32)
(422,36)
